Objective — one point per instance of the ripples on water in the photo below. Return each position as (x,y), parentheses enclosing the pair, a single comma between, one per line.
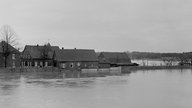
(141,89)
(71,82)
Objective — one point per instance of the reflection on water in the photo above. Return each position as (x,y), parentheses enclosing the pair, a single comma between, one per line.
(142,89)
(72,82)
(8,82)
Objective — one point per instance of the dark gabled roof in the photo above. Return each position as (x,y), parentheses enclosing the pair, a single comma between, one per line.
(76,55)
(114,57)
(35,51)
(11,48)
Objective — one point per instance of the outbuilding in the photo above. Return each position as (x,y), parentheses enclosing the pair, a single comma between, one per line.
(113,59)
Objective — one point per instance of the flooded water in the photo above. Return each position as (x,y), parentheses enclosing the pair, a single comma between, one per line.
(141,89)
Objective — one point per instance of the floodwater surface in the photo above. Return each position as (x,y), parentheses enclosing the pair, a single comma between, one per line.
(141,89)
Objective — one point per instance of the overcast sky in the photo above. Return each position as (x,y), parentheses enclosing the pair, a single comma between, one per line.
(103,25)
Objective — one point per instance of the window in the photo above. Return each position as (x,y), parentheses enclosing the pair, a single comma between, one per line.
(22,64)
(41,64)
(78,64)
(26,63)
(13,56)
(13,65)
(63,65)
(71,65)
(35,64)
(46,64)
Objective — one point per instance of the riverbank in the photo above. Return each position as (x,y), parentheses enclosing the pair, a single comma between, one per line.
(135,68)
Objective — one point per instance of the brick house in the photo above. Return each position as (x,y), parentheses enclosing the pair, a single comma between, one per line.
(38,56)
(74,59)
(113,59)
(13,59)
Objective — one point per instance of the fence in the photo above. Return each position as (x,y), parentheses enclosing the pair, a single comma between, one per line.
(112,70)
(89,71)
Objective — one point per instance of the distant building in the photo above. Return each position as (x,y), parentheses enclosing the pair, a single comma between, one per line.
(113,59)
(38,56)
(13,59)
(74,59)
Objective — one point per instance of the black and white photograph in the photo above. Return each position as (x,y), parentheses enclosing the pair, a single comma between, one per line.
(95,54)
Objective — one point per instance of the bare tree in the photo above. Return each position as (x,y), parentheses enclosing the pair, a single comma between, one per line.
(8,40)
(170,61)
(45,52)
(186,58)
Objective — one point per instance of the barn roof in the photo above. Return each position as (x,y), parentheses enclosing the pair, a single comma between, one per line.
(76,55)
(114,57)
(35,51)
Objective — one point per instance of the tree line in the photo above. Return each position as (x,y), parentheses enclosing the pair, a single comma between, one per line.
(184,58)
(151,55)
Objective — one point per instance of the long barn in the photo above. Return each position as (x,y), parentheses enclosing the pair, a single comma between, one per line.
(74,59)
